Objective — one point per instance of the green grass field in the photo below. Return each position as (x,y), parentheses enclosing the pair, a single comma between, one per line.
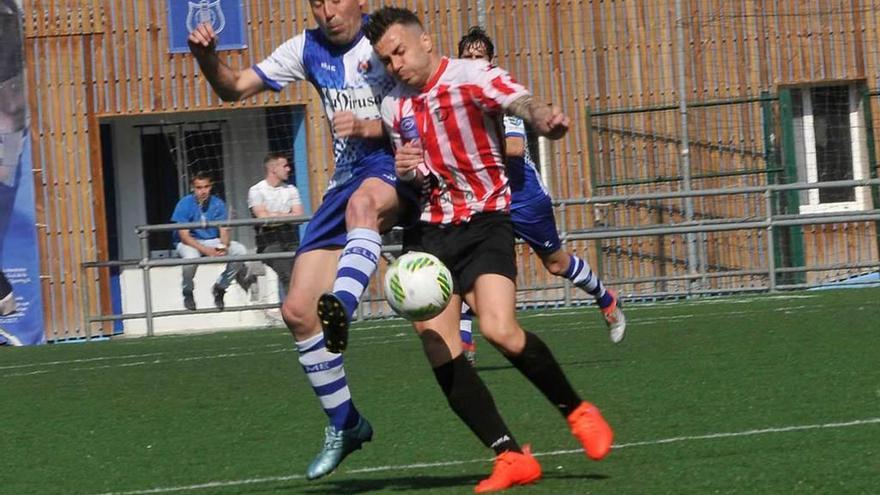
(761,394)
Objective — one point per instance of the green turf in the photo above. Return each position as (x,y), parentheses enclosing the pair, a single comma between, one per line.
(234,409)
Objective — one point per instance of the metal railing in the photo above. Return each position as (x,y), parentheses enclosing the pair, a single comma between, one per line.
(767,223)
(145,263)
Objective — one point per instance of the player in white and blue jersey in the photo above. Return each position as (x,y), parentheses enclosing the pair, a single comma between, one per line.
(341,246)
(531,210)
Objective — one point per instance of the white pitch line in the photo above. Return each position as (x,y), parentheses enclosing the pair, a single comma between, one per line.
(370,340)
(81,360)
(422,465)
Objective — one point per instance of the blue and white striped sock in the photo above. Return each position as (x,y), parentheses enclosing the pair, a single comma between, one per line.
(582,276)
(466,325)
(326,373)
(357,263)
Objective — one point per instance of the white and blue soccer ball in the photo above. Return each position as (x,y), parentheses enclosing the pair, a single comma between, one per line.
(418,286)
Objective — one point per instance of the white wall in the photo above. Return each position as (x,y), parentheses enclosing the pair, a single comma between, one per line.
(166,290)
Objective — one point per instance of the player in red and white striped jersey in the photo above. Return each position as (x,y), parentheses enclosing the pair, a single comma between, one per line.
(444,120)
(458,109)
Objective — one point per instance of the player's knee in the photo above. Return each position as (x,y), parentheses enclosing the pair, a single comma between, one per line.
(237,249)
(556,263)
(300,320)
(509,338)
(362,207)
(556,267)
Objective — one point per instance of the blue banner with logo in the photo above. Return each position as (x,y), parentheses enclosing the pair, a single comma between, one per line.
(21,308)
(225,16)
(21,317)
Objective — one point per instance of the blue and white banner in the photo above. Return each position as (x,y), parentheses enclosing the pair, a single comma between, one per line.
(19,259)
(225,16)
(21,307)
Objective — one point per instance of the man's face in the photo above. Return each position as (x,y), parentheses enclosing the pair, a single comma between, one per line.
(475,51)
(280,168)
(339,20)
(202,189)
(405,51)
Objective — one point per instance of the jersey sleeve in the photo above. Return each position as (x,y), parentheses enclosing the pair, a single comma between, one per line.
(180,214)
(284,65)
(498,88)
(391,118)
(295,199)
(514,126)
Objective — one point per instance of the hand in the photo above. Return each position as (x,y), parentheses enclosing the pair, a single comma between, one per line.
(549,121)
(407,160)
(345,124)
(212,251)
(202,40)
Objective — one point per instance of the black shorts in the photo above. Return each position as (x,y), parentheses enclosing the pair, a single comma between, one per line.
(482,246)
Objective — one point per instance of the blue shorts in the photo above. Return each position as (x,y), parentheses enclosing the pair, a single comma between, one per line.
(327,227)
(534,222)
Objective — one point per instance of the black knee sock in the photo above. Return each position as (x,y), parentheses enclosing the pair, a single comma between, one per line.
(472,402)
(537,363)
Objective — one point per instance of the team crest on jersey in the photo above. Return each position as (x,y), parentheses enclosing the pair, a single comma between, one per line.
(442,114)
(206,12)
(364,66)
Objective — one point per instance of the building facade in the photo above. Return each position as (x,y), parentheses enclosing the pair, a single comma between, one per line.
(118,122)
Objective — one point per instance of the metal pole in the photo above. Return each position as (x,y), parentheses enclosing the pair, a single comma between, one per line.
(84,301)
(685,143)
(148,291)
(771,243)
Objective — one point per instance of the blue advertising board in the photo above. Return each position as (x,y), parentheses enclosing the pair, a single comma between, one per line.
(21,306)
(225,16)
(19,258)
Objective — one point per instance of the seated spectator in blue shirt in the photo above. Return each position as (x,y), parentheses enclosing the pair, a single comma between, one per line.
(201,206)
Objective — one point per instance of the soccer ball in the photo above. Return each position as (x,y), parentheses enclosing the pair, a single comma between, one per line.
(418,286)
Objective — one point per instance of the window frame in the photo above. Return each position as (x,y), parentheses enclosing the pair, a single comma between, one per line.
(808,167)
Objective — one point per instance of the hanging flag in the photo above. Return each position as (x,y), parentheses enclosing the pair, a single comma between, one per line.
(225,16)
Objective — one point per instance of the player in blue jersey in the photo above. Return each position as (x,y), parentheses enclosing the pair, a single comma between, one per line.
(362,200)
(531,211)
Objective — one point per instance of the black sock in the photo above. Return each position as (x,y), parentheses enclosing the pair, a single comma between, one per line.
(537,363)
(472,402)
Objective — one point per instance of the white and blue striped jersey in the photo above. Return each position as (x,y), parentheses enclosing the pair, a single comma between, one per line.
(348,78)
(525,180)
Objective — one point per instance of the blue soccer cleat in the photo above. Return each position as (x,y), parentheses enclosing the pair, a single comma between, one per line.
(337,445)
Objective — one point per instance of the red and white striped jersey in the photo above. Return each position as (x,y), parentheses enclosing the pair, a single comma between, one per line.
(458,117)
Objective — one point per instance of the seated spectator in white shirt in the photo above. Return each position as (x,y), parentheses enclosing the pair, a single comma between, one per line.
(274,197)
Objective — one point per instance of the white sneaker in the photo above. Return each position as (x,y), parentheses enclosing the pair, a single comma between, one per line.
(615,319)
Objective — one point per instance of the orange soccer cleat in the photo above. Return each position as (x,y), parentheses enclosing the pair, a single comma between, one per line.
(591,429)
(511,469)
